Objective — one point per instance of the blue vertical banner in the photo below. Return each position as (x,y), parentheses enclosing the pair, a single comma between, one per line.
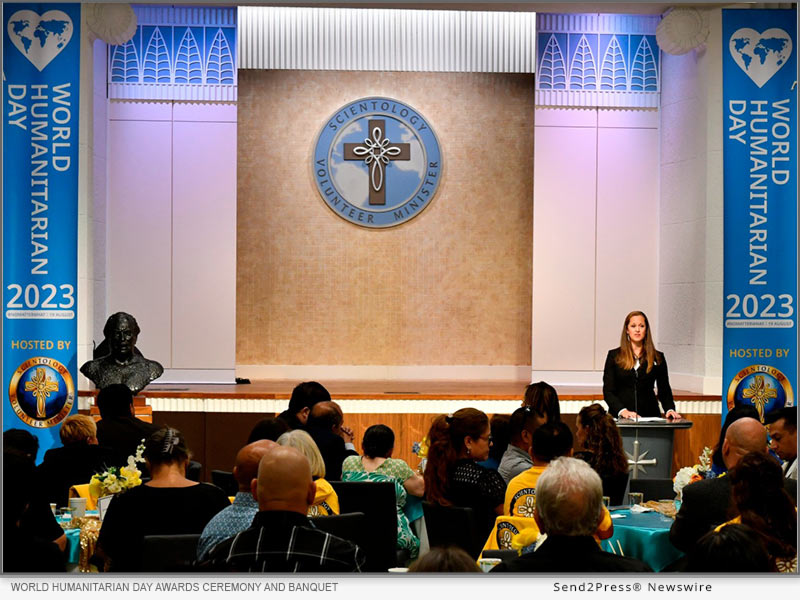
(41,85)
(759,70)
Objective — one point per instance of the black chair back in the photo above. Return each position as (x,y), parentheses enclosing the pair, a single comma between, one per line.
(194,470)
(348,526)
(501,554)
(453,526)
(225,481)
(376,499)
(169,553)
(653,489)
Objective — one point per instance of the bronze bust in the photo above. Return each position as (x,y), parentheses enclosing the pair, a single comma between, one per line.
(124,364)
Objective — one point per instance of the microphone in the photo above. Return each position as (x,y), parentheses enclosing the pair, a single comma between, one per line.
(636,389)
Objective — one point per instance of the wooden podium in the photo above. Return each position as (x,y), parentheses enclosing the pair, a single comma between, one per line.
(649,445)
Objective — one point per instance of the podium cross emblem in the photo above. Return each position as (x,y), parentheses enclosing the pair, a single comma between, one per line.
(637,460)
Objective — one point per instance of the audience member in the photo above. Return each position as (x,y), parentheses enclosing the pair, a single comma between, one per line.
(734,548)
(268,428)
(326,502)
(569,508)
(543,399)
(600,445)
(21,442)
(445,559)
(75,462)
(168,504)
(377,464)
(239,515)
(737,412)
(281,538)
(23,551)
(783,438)
(517,457)
(549,441)
(452,475)
(118,428)
(37,520)
(762,503)
(335,441)
(500,428)
(707,503)
(304,396)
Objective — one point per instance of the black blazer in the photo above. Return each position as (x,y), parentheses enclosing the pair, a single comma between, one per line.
(707,504)
(73,465)
(579,554)
(629,389)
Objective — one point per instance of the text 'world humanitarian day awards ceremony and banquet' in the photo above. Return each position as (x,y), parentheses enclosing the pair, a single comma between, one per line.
(396,288)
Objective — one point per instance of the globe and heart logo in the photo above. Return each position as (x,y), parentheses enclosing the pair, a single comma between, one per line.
(760,55)
(40,38)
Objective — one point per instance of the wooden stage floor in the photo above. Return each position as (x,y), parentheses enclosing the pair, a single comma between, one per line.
(362,389)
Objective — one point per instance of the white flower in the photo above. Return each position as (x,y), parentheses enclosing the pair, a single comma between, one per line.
(682,478)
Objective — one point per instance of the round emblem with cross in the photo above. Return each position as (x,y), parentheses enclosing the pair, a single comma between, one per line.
(377,162)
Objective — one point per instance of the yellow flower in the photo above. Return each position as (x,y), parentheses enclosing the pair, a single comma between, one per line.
(95,487)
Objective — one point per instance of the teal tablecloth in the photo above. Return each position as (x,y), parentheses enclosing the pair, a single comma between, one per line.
(644,536)
(73,545)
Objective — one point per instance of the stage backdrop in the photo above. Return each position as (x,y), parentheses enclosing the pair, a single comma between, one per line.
(450,287)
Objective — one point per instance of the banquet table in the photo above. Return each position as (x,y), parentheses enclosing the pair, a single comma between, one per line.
(644,536)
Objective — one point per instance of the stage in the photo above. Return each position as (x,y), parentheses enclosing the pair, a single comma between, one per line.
(218,418)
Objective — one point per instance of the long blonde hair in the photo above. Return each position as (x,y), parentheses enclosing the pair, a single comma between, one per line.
(625,358)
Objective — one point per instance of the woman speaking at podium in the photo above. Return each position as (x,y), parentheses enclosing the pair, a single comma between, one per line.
(631,372)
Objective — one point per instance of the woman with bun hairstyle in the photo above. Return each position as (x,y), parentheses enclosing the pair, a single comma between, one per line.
(600,445)
(453,476)
(633,370)
(168,504)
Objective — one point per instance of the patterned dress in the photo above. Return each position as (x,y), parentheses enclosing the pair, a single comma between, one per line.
(397,471)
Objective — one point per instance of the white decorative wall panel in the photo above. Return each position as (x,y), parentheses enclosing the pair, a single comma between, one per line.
(597,60)
(386,40)
(177,53)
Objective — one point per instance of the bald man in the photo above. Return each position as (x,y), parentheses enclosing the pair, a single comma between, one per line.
(239,515)
(282,538)
(707,503)
(335,441)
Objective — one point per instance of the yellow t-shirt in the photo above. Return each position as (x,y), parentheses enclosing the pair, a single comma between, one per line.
(326,502)
(521,493)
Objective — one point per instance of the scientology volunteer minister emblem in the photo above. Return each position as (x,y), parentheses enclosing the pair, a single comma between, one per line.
(377,162)
(41,392)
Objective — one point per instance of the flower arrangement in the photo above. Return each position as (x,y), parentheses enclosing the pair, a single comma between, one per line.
(687,475)
(420,448)
(115,480)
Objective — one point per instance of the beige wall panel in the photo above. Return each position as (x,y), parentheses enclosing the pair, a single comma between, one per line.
(451,287)
(563,248)
(627,232)
(139,221)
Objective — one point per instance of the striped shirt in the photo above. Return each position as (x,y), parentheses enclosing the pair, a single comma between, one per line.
(285,542)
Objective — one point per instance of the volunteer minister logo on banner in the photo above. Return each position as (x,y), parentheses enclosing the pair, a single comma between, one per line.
(40,38)
(377,162)
(41,392)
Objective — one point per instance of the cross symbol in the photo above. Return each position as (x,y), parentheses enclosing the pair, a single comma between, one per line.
(377,151)
(637,461)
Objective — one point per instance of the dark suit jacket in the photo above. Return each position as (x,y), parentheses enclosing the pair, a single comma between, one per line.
(73,465)
(705,505)
(580,554)
(123,434)
(331,446)
(629,389)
